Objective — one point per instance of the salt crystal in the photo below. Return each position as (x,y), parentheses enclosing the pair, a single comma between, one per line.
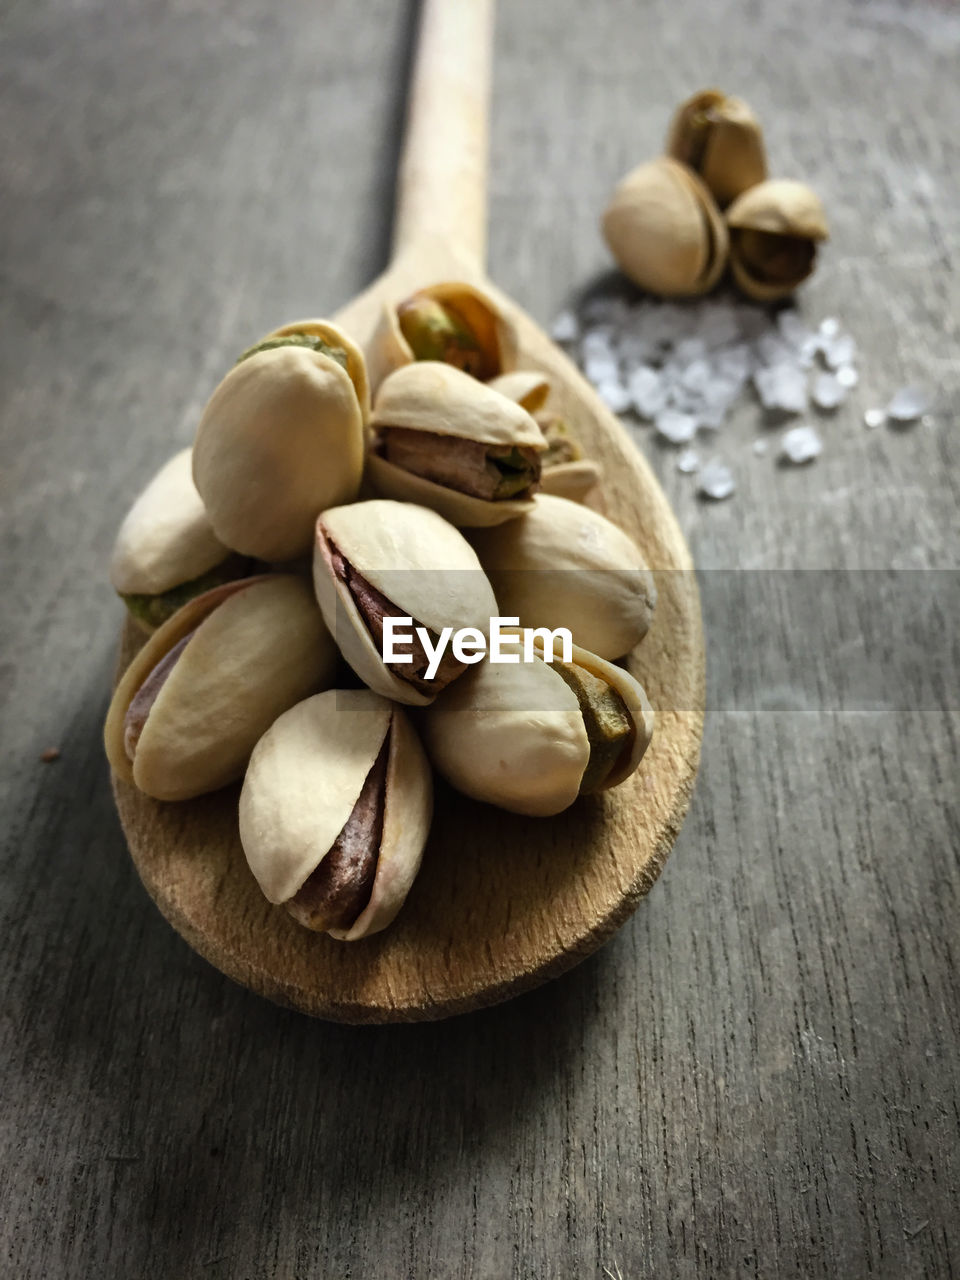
(688,461)
(598,342)
(771,349)
(601,368)
(908,404)
(634,349)
(830,327)
(678,428)
(689,349)
(696,376)
(566,327)
(793,328)
(827,391)
(716,480)
(614,395)
(801,444)
(646,391)
(874,418)
(847,376)
(782,387)
(839,350)
(760,447)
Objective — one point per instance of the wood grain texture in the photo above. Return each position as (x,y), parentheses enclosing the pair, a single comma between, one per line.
(757,1076)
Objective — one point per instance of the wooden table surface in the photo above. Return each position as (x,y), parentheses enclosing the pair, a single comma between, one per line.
(758,1076)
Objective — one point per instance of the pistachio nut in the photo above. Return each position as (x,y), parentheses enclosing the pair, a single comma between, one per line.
(533,736)
(564,470)
(565,565)
(335,811)
(166,551)
(720,139)
(774,232)
(665,230)
(281,439)
(380,560)
(194,701)
(446,441)
(450,321)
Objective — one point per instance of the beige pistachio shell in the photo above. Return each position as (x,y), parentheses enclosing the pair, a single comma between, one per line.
(721,139)
(415,558)
(303,780)
(665,230)
(779,207)
(572,480)
(435,397)
(259,646)
(513,735)
(389,349)
(280,440)
(565,565)
(334,336)
(529,389)
(166,537)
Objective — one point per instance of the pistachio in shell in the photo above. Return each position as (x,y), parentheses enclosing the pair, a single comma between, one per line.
(450,321)
(382,559)
(720,138)
(204,688)
(335,811)
(281,439)
(664,229)
(565,565)
(448,442)
(166,551)
(532,737)
(775,229)
(564,470)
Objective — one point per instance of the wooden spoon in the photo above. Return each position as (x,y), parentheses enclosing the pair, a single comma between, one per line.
(502,903)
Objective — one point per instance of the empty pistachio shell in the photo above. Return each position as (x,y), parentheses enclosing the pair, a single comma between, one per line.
(665,230)
(166,539)
(382,559)
(335,811)
(720,139)
(565,565)
(252,649)
(523,738)
(449,321)
(448,442)
(280,440)
(774,232)
(564,471)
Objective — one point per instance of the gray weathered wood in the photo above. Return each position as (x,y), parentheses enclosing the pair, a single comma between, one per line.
(758,1076)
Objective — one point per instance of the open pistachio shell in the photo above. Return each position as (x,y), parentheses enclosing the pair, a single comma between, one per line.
(280,439)
(303,781)
(256,647)
(572,479)
(334,336)
(436,398)
(565,565)
(720,139)
(774,232)
(495,335)
(166,537)
(513,735)
(665,230)
(414,558)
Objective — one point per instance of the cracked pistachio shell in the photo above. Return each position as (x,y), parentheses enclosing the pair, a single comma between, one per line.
(166,537)
(435,397)
(415,558)
(779,207)
(334,336)
(303,780)
(513,735)
(259,645)
(665,230)
(495,334)
(720,138)
(572,480)
(565,565)
(280,439)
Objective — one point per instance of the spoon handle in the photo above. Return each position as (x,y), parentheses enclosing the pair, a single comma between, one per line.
(442,181)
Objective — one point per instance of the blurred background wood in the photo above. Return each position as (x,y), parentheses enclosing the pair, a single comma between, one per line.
(758,1075)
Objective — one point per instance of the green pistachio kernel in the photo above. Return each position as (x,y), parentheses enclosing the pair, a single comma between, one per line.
(308,340)
(517,473)
(435,332)
(153,611)
(605,718)
(561,445)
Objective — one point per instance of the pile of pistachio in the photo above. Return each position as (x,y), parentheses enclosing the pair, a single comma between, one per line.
(267,562)
(676,223)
